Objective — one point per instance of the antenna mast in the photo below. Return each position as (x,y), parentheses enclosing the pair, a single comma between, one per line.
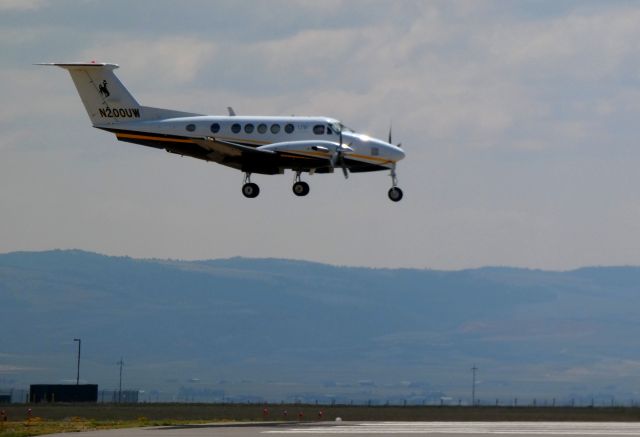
(473,386)
(121,362)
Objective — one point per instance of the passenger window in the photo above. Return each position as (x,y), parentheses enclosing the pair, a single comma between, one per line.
(248,128)
(275,128)
(235,128)
(318,129)
(375,151)
(288,128)
(191,127)
(215,128)
(262,128)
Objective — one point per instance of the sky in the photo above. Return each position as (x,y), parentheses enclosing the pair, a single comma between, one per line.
(519,121)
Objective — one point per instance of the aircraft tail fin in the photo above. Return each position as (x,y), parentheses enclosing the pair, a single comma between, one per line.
(106,99)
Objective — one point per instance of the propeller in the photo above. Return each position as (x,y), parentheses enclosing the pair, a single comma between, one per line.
(338,155)
(337,158)
(390,141)
(340,158)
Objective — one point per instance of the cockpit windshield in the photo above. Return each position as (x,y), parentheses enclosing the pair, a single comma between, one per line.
(337,127)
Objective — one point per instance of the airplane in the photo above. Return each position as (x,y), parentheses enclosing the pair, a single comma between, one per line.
(252,144)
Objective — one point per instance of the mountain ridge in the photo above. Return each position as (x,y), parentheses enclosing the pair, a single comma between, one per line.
(308,324)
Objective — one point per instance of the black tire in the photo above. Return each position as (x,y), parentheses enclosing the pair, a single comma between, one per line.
(250,190)
(395,194)
(300,188)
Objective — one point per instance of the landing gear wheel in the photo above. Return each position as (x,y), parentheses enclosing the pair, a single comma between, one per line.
(250,190)
(395,194)
(300,188)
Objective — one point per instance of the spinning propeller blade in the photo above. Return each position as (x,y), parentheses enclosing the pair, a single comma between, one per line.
(338,156)
(345,172)
(390,141)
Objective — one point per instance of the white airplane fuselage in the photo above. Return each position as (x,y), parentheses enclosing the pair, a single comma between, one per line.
(369,154)
(251,144)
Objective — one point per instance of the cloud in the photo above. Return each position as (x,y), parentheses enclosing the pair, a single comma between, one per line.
(16,37)
(585,46)
(21,5)
(173,59)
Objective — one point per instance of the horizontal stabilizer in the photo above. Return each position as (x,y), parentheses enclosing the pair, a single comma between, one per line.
(81,65)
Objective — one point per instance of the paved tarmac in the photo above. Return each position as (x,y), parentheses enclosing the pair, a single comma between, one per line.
(435,429)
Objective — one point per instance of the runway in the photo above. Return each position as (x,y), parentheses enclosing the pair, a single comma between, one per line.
(471,429)
(435,429)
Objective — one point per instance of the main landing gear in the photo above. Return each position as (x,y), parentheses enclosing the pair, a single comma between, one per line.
(394,193)
(300,188)
(249,189)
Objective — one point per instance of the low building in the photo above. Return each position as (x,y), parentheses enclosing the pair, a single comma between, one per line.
(63,393)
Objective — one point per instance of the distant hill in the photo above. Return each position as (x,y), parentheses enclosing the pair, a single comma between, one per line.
(286,330)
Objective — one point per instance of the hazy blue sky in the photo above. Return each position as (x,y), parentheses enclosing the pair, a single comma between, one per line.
(519,120)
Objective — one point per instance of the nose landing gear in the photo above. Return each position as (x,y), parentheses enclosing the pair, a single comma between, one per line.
(394,193)
(249,189)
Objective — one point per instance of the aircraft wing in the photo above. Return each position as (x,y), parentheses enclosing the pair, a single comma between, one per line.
(267,159)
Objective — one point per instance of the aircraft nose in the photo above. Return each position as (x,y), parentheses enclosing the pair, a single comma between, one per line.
(398,153)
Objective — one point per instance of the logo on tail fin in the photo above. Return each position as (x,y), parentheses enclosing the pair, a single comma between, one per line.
(102,89)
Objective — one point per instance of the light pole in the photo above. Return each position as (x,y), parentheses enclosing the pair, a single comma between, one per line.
(79,346)
(121,362)
(473,386)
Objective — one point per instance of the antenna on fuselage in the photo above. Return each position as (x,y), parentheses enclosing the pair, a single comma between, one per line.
(232,113)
